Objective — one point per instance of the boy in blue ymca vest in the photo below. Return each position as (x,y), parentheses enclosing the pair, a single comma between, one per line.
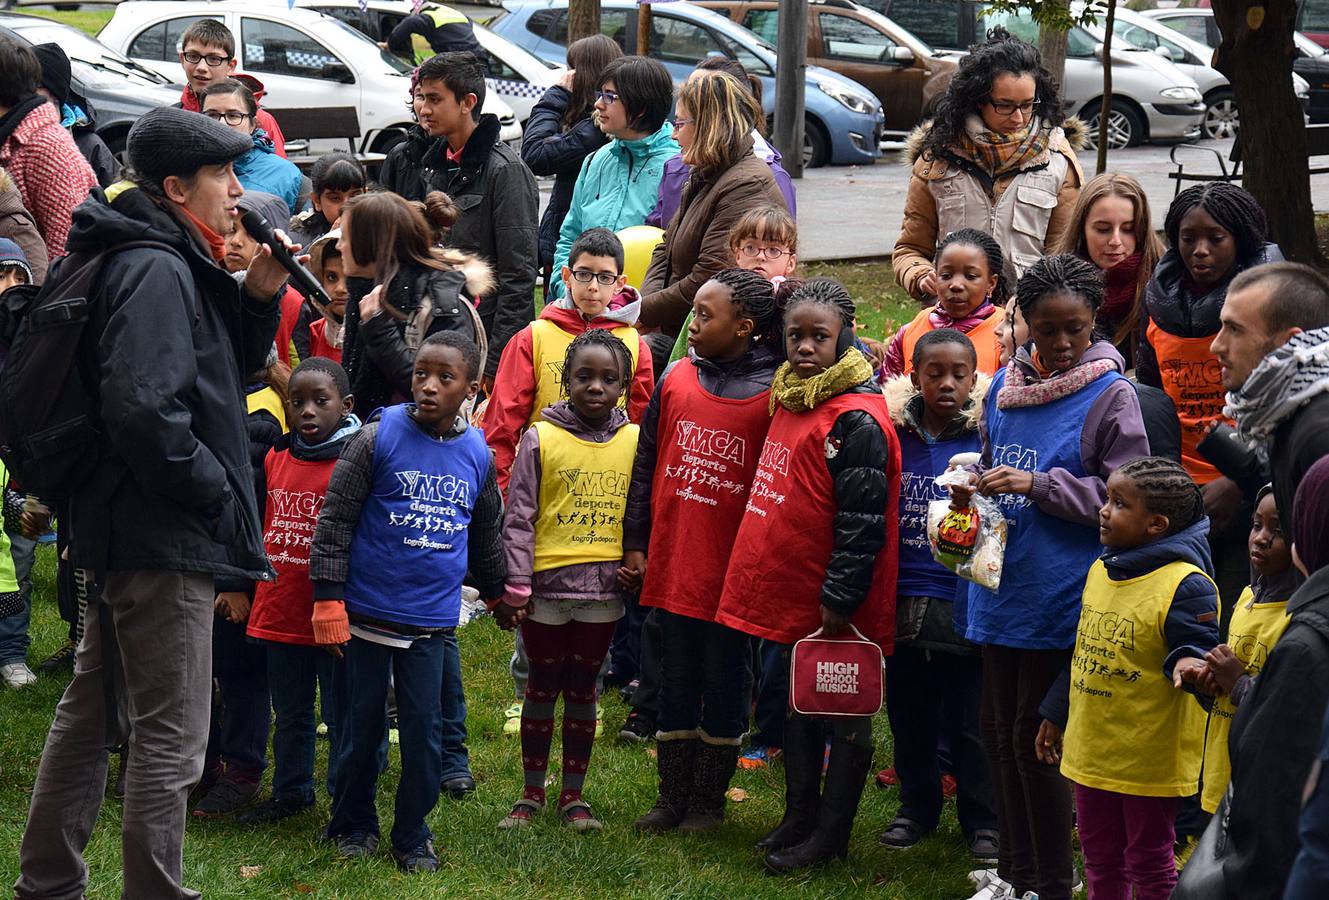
(412,505)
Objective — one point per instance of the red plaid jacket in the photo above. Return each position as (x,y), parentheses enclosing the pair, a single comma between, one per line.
(50,173)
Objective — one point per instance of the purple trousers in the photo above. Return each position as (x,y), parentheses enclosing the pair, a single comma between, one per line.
(1127,843)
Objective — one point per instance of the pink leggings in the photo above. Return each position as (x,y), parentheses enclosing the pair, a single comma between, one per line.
(1127,843)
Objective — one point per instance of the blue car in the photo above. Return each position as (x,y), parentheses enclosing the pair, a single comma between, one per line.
(844,119)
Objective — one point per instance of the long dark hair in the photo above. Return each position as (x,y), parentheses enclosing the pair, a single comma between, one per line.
(587,58)
(972,86)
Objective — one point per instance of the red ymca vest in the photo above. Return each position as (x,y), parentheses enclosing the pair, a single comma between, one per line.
(290,313)
(783,546)
(983,336)
(283,608)
(706,454)
(318,342)
(1192,378)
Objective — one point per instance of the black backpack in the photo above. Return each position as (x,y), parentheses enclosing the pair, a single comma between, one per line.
(50,422)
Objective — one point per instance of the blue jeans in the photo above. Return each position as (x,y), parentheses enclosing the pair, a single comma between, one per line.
(705,679)
(452,705)
(772,701)
(418,675)
(14,640)
(294,671)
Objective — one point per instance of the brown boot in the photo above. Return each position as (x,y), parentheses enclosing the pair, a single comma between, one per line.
(710,779)
(675,754)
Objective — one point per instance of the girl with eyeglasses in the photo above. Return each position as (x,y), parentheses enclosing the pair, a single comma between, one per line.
(232,104)
(998,155)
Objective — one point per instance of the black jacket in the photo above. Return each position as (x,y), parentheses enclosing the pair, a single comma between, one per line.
(1297,444)
(374,353)
(173,488)
(548,150)
(1272,744)
(402,171)
(499,205)
(450,37)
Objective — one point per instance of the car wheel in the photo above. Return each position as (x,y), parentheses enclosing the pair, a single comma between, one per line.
(1220,115)
(816,145)
(1125,127)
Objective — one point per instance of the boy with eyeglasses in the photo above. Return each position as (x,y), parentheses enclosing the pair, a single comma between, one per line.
(207,55)
(530,370)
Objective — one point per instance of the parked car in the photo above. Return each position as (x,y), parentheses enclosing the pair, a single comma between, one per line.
(844,119)
(304,59)
(1194,58)
(1311,62)
(862,44)
(515,74)
(117,89)
(1152,100)
(1313,20)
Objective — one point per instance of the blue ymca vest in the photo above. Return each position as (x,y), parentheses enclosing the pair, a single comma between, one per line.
(921,463)
(408,555)
(1047,559)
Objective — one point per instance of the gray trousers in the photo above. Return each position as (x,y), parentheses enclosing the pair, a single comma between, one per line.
(163,625)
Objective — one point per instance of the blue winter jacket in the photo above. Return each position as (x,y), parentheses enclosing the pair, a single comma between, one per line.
(616,189)
(261,169)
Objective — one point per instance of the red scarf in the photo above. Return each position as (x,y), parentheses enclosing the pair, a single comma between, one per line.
(216,243)
(1120,281)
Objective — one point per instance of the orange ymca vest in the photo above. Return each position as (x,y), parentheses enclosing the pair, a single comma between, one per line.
(983,335)
(1192,378)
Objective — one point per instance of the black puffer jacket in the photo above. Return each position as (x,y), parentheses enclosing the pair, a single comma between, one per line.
(403,170)
(500,206)
(1297,445)
(173,488)
(745,377)
(548,150)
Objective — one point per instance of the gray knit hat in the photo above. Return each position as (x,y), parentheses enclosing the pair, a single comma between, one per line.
(173,141)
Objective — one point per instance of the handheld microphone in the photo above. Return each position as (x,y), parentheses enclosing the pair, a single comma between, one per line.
(301,278)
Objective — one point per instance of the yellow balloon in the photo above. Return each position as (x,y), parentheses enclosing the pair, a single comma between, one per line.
(638,244)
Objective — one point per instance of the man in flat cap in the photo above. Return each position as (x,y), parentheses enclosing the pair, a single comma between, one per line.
(169,507)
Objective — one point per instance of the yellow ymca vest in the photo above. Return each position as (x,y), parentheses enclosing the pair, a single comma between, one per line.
(1130,731)
(1254,630)
(269,400)
(583,494)
(549,345)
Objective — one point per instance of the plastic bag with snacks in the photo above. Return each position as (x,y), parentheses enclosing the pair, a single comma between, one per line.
(971,542)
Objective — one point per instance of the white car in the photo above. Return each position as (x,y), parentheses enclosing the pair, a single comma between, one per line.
(306,60)
(514,73)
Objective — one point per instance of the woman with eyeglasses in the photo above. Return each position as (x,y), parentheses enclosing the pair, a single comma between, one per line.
(713,122)
(261,169)
(998,156)
(618,183)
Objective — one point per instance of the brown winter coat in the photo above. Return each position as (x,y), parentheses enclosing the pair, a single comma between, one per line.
(917,243)
(17,224)
(696,243)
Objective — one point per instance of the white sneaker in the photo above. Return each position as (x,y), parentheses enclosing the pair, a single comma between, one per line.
(990,887)
(980,877)
(17,675)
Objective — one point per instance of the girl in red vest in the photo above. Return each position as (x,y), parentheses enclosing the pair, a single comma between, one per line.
(824,498)
(324,334)
(699,446)
(971,293)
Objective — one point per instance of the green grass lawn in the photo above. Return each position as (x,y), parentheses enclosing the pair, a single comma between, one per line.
(478,860)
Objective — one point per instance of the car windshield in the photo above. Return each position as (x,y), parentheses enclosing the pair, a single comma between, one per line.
(396,63)
(509,50)
(81,48)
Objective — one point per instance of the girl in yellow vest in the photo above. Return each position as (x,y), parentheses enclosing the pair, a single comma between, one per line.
(1257,624)
(971,294)
(563,537)
(1133,739)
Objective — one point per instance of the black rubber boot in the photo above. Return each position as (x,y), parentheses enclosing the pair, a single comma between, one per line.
(675,757)
(710,780)
(845,776)
(804,746)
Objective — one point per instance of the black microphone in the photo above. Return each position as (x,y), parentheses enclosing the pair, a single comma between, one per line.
(301,278)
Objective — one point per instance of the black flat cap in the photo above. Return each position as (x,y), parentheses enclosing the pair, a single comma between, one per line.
(173,141)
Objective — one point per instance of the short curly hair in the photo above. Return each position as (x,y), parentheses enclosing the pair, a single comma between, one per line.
(971,87)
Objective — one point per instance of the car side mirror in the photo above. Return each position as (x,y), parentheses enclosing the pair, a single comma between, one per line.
(902,55)
(1164,52)
(1098,52)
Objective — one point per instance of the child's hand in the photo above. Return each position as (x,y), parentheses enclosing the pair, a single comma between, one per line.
(331,626)
(369,304)
(1047,746)
(33,523)
(1224,667)
(927,285)
(233,606)
(1006,480)
(633,570)
(963,495)
(876,351)
(1189,671)
(509,617)
(832,622)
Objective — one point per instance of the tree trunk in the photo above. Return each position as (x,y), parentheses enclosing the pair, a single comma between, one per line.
(1256,55)
(1052,47)
(583,19)
(1106,112)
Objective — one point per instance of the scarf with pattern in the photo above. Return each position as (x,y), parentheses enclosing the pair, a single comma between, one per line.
(1020,390)
(1284,381)
(996,153)
(803,394)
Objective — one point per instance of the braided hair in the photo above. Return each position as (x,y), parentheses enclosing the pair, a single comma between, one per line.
(973,237)
(1064,273)
(755,298)
(821,292)
(1167,490)
(598,337)
(1231,206)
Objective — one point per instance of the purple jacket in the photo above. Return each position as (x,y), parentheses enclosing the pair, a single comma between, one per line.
(676,174)
(1112,435)
(588,581)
